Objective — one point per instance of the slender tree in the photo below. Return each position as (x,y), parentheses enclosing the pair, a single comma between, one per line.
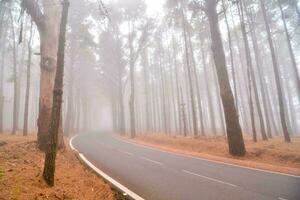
(277,75)
(28,79)
(234,131)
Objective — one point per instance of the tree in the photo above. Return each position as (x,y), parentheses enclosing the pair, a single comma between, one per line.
(291,51)
(277,75)
(28,79)
(48,28)
(49,166)
(233,128)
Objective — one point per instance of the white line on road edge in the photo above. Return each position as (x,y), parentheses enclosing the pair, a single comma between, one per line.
(280,198)
(214,161)
(104,175)
(212,179)
(153,161)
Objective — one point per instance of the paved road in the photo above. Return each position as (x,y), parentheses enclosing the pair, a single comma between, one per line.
(159,175)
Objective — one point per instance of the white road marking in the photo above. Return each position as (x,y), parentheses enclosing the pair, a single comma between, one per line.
(127,153)
(214,161)
(212,179)
(280,198)
(153,161)
(104,175)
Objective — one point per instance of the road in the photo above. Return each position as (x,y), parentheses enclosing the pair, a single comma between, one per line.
(159,175)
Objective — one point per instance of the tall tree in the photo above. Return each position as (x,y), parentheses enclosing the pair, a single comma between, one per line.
(49,166)
(277,75)
(233,128)
(48,28)
(28,79)
(291,51)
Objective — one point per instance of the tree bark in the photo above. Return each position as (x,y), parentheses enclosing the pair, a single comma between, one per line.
(49,166)
(234,132)
(49,32)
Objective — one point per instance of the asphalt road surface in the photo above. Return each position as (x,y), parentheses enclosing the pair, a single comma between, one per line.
(159,175)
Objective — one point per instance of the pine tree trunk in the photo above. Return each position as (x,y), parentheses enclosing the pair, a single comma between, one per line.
(177,83)
(28,79)
(132,91)
(199,99)
(15,78)
(2,68)
(291,51)
(234,132)
(260,72)
(146,88)
(49,166)
(277,76)
(231,56)
(192,96)
(208,90)
(163,95)
(70,105)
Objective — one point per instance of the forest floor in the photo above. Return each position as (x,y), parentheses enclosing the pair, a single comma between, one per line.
(21,165)
(274,155)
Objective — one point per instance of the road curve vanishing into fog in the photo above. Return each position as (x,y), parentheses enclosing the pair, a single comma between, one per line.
(159,175)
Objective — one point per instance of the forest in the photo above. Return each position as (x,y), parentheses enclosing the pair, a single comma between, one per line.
(218,77)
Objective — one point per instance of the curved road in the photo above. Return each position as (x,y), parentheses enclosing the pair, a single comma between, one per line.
(159,175)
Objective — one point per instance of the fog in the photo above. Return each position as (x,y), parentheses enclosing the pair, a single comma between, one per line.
(168,45)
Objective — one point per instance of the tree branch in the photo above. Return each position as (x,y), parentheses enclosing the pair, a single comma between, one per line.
(34,10)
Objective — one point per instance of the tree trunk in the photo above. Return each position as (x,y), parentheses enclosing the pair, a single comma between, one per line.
(234,132)
(208,90)
(291,51)
(183,114)
(70,105)
(49,32)
(251,79)
(194,116)
(146,87)
(132,90)
(177,82)
(199,99)
(15,79)
(277,75)
(49,166)
(260,71)
(163,95)
(231,55)
(28,79)
(2,66)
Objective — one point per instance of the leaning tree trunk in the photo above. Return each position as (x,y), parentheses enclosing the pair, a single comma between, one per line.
(28,73)
(234,131)
(49,166)
(277,76)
